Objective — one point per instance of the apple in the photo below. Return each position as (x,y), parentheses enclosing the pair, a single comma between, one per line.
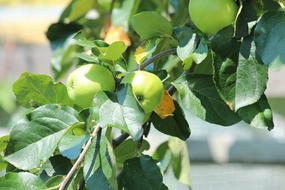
(148,90)
(87,80)
(210,16)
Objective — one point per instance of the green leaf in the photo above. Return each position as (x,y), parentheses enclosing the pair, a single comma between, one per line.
(64,49)
(72,141)
(224,44)
(133,114)
(201,51)
(190,49)
(160,151)
(180,160)
(81,40)
(33,142)
(251,80)
(192,104)
(4,140)
(99,99)
(164,187)
(225,62)
(33,90)
(205,67)
(3,164)
(129,149)
(76,180)
(59,165)
(99,165)
(64,57)
(181,15)
(120,16)
(107,113)
(128,78)
(54,182)
(76,9)
(269,38)
(156,25)
(243,83)
(22,181)
(7,100)
(113,52)
(263,6)
(246,17)
(105,52)
(88,58)
(163,155)
(197,95)
(258,115)
(175,125)
(140,174)
(225,79)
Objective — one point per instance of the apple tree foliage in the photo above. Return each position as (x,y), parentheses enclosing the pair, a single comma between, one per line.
(219,78)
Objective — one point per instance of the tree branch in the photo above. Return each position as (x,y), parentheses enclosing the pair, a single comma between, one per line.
(80,158)
(157,57)
(116,142)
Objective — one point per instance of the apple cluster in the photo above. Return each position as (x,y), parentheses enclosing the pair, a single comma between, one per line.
(87,80)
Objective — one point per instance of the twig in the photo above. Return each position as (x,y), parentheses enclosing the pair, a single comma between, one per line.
(157,57)
(80,158)
(116,142)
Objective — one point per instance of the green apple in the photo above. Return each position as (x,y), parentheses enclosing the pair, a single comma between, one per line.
(210,16)
(148,89)
(84,82)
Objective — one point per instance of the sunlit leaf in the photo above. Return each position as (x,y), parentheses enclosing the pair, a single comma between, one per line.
(155,26)
(33,90)
(27,148)
(22,180)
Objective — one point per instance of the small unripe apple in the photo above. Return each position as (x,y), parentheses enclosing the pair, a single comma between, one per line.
(210,16)
(148,89)
(84,82)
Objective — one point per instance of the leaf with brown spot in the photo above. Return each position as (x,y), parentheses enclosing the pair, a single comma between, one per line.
(166,107)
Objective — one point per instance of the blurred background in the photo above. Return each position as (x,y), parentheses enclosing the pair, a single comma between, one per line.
(232,158)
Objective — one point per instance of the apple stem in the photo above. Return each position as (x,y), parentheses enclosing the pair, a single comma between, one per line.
(95,132)
(157,57)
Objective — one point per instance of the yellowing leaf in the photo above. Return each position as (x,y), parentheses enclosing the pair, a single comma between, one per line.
(115,34)
(140,54)
(166,107)
(145,50)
